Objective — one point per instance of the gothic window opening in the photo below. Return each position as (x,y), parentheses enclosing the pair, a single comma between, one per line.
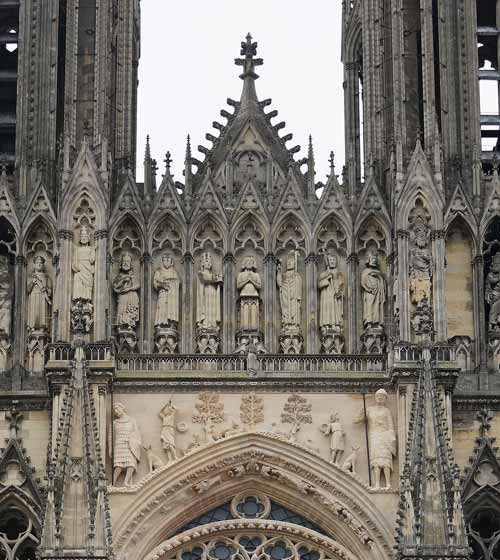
(484,534)
(18,539)
(488,30)
(9,27)
(359,93)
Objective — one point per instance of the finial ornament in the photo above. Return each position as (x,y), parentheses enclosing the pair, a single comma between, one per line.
(168,162)
(248,50)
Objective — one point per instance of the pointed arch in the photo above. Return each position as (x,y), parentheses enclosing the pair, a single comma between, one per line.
(162,221)
(298,236)
(384,227)
(333,222)
(214,222)
(39,223)
(251,462)
(130,217)
(260,225)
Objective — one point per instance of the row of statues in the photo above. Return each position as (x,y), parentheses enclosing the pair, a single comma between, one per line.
(126,445)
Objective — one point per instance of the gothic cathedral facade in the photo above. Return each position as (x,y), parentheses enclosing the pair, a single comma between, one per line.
(249,364)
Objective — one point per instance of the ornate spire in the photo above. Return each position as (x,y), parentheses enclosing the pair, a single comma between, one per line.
(311,172)
(248,51)
(148,171)
(188,170)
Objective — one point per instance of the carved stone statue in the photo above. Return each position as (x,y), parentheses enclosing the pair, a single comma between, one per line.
(249,285)
(492,293)
(6,295)
(374,293)
(83,268)
(290,290)
(331,299)
(126,287)
(208,302)
(167,415)
(381,437)
(166,282)
(421,266)
(126,445)
(39,297)
(335,429)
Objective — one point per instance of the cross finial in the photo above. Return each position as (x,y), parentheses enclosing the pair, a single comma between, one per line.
(168,162)
(332,163)
(249,51)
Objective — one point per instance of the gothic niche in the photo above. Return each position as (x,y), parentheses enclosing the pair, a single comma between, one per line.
(332,248)
(459,293)
(167,251)
(39,253)
(127,272)
(8,251)
(249,252)
(421,267)
(209,283)
(83,269)
(372,252)
(290,252)
(491,255)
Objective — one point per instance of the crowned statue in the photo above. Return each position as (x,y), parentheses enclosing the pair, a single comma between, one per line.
(208,301)
(290,292)
(249,284)
(83,268)
(331,299)
(166,282)
(39,296)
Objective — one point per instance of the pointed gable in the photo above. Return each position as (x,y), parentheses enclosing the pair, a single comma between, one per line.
(128,201)
(372,203)
(39,205)
(7,202)
(460,206)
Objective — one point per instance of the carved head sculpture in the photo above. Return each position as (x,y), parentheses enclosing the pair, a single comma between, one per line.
(119,410)
(4,263)
(167,261)
(84,235)
(249,263)
(39,264)
(421,233)
(381,396)
(206,261)
(291,261)
(495,262)
(334,417)
(330,260)
(372,260)
(126,262)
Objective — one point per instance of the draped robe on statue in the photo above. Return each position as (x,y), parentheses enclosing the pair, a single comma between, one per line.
(374,294)
(290,297)
(331,308)
(39,301)
(208,303)
(166,281)
(83,268)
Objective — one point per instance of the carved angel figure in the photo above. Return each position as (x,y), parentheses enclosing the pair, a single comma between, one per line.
(208,303)
(290,290)
(83,268)
(331,295)
(126,287)
(125,447)
(374,293)
(381,437)
(166,282)
(492,293)
(39,296)
(6,295)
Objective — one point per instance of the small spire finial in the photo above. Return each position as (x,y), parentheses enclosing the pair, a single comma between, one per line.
(188,149)
(168,162)
(331,161)
(147,151)
(248,50)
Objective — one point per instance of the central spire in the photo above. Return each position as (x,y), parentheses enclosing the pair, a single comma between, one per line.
(249,62)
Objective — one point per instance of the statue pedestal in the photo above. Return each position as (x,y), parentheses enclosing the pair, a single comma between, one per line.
(332,340)
(373,340)
(36,343)
(250,340)
(291,340)
(82,316)
(166,339)
(4,351)
(208,340)
(127,339)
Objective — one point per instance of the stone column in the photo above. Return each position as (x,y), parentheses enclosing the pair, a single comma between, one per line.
(63,287)
(101,419)
(56,411)
(481,334)
(187,307)
(18,323)
(228,305)
(147,312)
(438,296)
(311,305)
(271,306)
(101,299)
(402,237)
(353,320)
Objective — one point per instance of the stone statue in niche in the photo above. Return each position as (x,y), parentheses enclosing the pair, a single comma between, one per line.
(208,306)
(290,295)
(126,288)
(331,306)
(83,283)
(249,284)
(381,438)
(420,265)
(39,297)
(6,295)
(336,431)
(374,293)
(492,293)
(167,436)
(125,445)
(166,282)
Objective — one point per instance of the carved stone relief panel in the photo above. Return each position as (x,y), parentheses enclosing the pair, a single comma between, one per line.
(332,286)
(39,252)
(167,286)
(126,255)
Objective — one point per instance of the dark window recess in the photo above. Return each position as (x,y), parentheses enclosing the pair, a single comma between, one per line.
(486,13)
